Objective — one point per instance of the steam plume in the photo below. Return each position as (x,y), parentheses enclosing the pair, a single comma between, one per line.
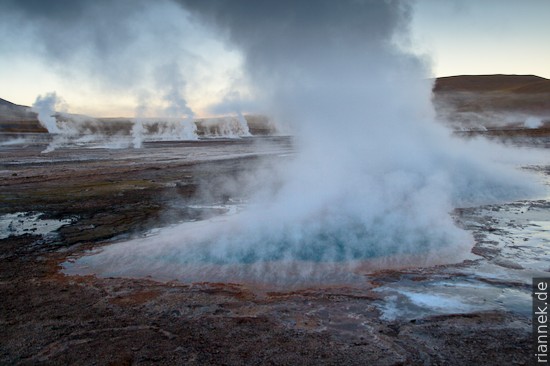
(374,176)
(177,107)
(45,106)
(533,122)
(137,127)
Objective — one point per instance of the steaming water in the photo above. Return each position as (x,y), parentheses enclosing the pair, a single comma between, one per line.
(222,249)
(95,134)
(374,176)
(194,257)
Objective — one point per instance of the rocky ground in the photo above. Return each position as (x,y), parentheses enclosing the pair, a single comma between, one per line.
(47,317)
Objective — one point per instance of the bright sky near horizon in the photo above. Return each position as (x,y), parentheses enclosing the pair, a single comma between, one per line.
(476,37)
(458,37)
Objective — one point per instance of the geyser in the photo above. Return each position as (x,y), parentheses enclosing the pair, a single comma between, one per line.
(45,107)
(374,175)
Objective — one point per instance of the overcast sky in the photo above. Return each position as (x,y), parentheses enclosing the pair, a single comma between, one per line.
(104,57)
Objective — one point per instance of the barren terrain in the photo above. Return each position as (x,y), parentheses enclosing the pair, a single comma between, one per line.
(493,102)
(104,196)
(59,206)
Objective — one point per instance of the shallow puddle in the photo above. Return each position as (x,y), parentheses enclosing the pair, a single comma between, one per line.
(21,223)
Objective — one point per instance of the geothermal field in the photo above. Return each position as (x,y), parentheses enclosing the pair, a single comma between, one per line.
(338,205)
(199,251)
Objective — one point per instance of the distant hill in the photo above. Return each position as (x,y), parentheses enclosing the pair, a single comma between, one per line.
(493,83)
(492,101)
(18,118)
(5,103)
(9,108)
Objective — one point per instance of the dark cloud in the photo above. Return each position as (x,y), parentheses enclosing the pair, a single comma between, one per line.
(299,52)
(121,43)
(52,9)
(273,33)
(62,29)
(117,44)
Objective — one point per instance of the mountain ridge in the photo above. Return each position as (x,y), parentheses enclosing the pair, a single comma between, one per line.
(492,83)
